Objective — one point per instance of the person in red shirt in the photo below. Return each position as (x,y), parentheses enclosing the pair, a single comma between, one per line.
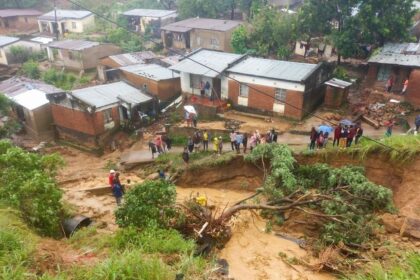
(337,132)
(351,135)
(111,178)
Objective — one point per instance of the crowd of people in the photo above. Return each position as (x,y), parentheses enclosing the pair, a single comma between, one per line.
(343,136)
(160,144)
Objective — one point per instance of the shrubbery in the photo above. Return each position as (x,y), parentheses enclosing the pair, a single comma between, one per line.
(27,184)
(30,69)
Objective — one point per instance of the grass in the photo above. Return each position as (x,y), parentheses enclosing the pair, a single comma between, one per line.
(406,269)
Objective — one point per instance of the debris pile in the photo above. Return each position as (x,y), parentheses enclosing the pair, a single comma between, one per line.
(232,124)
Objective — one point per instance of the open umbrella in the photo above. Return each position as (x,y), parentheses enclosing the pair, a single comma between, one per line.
(190,109)
(325,128)
(346,122)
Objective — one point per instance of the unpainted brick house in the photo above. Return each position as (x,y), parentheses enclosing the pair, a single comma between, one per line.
(195,33)
(401,61)
(79,54)
(90,115)
(153,79)
(149,20)
(18,21)
(277,87)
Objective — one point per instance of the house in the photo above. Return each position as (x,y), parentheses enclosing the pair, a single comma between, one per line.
(8,43)
(204,66)
(194,33)
(153,79)
(79,54)
(401,61)
(276,87)
(90,115)
(65,21)
(148,20)
(30,105)
(18,21)
(107,67)
(336,92)
(42,41)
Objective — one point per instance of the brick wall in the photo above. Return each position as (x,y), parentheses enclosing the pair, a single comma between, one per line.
(293,108)
(233,91)
(335,97)
(83,122)
(371,75)
(413,90)
(260,101)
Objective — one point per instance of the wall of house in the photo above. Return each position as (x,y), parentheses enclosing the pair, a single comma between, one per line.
(43,122)
(164,89)
(186,83)
(335,97)
(92,55)
(5,52)
(413,90)
(173,43)
(20,23)
(81,25)
(201,38)
(63,59)
(81,121)
(3,55)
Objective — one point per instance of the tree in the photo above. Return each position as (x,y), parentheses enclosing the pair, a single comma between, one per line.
(240,40)
(201,8)
(30,69)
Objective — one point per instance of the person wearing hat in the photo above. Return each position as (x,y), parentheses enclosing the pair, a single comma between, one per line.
(111,177)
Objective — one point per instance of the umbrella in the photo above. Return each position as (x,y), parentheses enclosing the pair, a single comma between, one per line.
(190,109)
(346,122)
(325,128)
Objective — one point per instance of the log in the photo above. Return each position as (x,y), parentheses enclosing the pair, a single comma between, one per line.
(370,122)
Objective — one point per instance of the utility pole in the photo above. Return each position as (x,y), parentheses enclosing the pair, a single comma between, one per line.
(55,20)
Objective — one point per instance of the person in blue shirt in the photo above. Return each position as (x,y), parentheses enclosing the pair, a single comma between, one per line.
(238,141)
(117,189)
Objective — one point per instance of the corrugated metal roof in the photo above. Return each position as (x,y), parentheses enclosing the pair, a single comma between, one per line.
(216,60)
(65,14)
(406,54)
(171,60)
(126,59)
(273,69)
(42,40)
(19,12)
(149,13)
(201,23)
(75,45)
(5,40)
(338,83)
(109,94)
(17,85)
(31,99)
(151,71)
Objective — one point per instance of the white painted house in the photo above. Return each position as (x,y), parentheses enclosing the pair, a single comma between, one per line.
(6,45)
(68,21)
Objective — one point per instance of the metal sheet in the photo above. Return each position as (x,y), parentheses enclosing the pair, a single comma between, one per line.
(65,14)
(5,40)
(151,71)
(150,13)
(273,69)
(338,83)
(202,23)
(73,44)
(19,12)
(406,54)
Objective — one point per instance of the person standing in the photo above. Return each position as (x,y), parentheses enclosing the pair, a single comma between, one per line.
(359,133)
(194,120)
(343,137)
(205,141)
(245,142)
(111,177)
(417,122)
(337,132)
(207,90)
(351,135)
(220,145)
(158,143)
(238,142)
(389,125)
(216,145)
(190,145)
(202,88)
(405,86)
(186,156)
(389,83)
(232,137)
(313,137)
(253,142)
(273,136)
(117,190)
(197,141)
(326,135)
(152,148)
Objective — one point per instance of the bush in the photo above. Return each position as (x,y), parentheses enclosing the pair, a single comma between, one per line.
(150,204)
(59,79)
(30,69)
(27,184)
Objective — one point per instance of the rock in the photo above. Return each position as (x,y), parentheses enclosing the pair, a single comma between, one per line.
(153,176)
(381,252)
(405,239)
(391,223)
(417,244)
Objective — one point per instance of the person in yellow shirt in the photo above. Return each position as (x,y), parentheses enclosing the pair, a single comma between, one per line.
(205,141)
(216,145)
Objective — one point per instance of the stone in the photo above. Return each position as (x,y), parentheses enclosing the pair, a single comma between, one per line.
(405,239)
(391,223)
(380,252)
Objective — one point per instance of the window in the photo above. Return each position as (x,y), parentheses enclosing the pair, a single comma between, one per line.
(384,72)
(214,42)
(195,81)
(280,95)
(73,25)
(107,116)
(243,90)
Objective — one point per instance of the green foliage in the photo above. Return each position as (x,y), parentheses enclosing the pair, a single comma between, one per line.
(341,73)
(30,69)
(407,268)
(21,54)
(150,204)
(153,240)
(201,8)
(27,184)
(353,198)
(271,33)
(4,4)
(128,41)
(4,104)
(59,79)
